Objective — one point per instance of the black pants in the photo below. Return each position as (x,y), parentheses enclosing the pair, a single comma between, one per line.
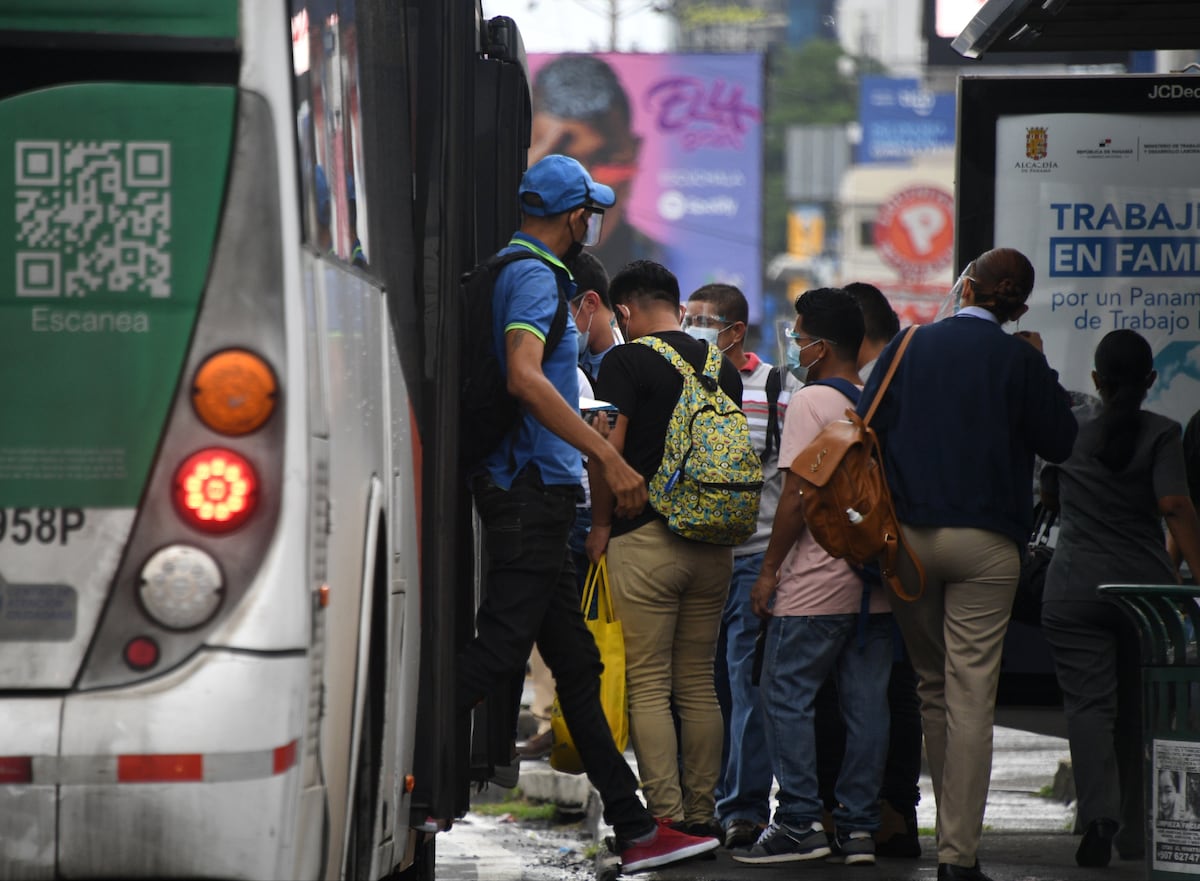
(532,596)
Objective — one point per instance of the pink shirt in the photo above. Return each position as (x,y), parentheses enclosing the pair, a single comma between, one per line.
(812,582)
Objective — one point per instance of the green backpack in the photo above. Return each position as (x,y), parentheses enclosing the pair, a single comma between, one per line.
(708,485)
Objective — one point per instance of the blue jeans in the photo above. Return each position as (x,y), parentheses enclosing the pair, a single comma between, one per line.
(801,653)
(745,788)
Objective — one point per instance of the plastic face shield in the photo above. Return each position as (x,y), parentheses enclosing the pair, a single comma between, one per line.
(595,221)
(714,321)
(953,300)
(783,327)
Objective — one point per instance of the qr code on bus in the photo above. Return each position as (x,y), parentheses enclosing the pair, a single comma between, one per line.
(93,216)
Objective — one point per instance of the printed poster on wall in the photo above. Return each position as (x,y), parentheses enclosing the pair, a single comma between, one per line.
(1102,206)
(1176,806)
(679,138)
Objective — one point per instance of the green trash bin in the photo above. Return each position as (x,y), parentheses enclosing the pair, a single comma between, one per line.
(1168,620)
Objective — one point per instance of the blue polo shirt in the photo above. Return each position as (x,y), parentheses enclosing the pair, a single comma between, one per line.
(526,297)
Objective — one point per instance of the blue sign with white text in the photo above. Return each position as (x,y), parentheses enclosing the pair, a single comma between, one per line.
(901,119)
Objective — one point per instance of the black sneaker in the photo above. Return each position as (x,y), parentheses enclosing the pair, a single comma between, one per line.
(853,848)
(704,829)
(742,833)
(783,844)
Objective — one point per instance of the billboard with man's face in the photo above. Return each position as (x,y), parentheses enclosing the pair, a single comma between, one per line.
(679,138)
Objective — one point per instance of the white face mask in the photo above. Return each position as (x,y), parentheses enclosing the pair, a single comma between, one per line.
(585,333)
(704,334)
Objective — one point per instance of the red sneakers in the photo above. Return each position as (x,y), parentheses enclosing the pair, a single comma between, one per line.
(666,847)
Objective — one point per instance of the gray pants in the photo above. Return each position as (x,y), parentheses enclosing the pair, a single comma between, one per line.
(1097,660)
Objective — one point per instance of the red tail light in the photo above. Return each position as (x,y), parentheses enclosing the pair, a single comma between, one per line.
(216,490)
(141,653)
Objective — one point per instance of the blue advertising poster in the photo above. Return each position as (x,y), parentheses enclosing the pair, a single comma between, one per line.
(900,119)
(1107,208)
(679,138)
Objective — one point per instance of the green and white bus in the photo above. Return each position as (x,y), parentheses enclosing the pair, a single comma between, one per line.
(235,554)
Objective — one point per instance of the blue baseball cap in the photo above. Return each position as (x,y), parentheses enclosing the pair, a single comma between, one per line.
(558,183)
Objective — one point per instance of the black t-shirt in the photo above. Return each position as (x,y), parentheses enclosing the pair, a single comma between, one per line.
(645,387)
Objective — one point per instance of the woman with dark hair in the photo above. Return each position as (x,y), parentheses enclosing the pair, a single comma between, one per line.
(1125,476)
(966,412)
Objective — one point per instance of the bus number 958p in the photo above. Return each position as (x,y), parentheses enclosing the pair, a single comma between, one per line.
(45,526)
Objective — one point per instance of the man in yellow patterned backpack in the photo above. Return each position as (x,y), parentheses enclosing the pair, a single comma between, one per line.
(681,426)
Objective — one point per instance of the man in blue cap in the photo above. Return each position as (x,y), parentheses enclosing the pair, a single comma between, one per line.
(525,494)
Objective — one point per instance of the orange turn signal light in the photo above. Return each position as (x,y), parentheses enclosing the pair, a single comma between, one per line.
(234,392)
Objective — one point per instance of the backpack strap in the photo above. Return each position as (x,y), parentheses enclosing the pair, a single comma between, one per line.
(890,557)
(712,364)
(558,324)
(845,386)
(891,371)
(774,387)
(667,351)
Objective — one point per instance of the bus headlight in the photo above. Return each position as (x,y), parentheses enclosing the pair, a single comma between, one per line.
(180,587)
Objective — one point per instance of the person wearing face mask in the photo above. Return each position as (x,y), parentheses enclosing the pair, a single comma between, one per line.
(967,410)
(824,619)
(593,313)
(668,591)
(898,797)
(525,494)
(719,314)
(597,325)
(598,333)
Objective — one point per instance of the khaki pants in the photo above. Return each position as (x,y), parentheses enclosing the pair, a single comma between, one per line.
(669,594)
(955,636)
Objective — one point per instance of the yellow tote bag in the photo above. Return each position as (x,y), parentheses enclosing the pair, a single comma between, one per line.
(606,630)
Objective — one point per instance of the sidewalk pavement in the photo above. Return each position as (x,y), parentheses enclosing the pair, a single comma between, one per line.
(1027,835)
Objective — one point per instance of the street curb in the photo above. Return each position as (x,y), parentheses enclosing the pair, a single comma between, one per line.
(573,794)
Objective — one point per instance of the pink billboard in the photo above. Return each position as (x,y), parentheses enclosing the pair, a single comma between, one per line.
(679,137)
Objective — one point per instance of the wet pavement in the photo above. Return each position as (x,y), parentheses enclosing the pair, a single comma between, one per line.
(1027,834)
(1005,856)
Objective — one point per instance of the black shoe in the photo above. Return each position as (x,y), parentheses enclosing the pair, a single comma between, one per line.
(951,872)
(742,833)
(703,829)
(898,835)
(1096,848)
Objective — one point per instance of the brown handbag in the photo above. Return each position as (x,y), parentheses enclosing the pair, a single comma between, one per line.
(845,496)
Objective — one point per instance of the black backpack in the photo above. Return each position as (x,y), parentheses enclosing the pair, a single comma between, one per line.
(487,412)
